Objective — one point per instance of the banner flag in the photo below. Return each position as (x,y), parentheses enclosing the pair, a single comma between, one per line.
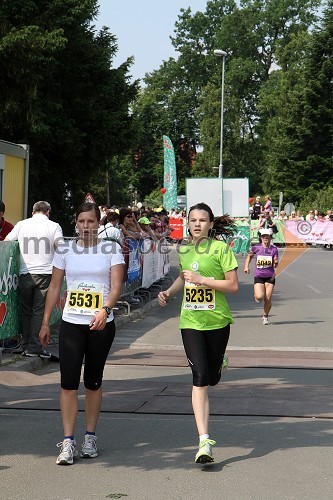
(170,176)
(9,303)
(240,241)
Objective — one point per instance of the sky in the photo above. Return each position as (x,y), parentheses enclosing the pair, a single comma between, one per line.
(143,28)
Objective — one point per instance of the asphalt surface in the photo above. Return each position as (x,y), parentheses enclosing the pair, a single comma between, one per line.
(271,415)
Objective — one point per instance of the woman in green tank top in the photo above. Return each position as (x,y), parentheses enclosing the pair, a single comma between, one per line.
(208,270)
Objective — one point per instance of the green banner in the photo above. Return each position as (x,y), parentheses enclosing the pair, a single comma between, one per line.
(170,175)
(240,241)
(9,305)
(277,238)
(9,297)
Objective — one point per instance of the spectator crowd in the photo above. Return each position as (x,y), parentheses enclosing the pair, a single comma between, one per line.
(265,214)
(137,223)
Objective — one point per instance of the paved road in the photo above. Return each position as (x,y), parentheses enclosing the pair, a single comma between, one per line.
(271,416)
(300,317)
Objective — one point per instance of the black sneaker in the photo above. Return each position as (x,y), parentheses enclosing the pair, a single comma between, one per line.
(45,355)
(19,350)
(30,354)
(11,344)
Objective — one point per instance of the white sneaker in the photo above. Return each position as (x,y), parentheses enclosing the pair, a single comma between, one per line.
(205,454)
(45,354)
(265,320)
(257,300)
(68,452)
(89,447)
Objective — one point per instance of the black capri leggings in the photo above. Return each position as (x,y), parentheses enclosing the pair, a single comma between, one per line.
(77,342)
(205,350)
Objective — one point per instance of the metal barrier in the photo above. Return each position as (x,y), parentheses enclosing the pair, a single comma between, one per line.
(137,253)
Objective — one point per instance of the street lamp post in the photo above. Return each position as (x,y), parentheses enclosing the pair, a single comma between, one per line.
(223,54)
(131,190)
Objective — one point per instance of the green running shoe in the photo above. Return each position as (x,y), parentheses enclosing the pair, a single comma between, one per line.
(205,454)
(225,363)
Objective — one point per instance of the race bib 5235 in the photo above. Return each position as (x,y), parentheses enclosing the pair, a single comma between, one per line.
(198,297)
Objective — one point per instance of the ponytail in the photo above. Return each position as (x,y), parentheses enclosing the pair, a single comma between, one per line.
(223,227)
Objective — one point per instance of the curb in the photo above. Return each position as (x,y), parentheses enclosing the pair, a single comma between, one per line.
(122,320)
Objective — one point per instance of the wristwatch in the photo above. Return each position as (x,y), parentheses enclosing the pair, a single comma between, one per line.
(107,310)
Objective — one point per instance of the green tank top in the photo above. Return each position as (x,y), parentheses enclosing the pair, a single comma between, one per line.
(204,308)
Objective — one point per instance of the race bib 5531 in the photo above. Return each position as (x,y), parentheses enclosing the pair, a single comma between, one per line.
(84,298)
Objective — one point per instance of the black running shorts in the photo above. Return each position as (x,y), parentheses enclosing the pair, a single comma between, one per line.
(257,279)
(205,350)
(78,343)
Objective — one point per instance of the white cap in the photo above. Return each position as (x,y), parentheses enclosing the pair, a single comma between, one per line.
(264,232)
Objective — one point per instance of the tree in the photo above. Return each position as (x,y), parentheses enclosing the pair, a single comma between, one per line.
(298,100)
(169,102)
(185,93)
(253,36)
(321,200)
(59,94)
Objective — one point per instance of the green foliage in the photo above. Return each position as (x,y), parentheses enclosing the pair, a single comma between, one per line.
(313,199)
(59,95)
(154,199)
(297,121)
(184,96)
